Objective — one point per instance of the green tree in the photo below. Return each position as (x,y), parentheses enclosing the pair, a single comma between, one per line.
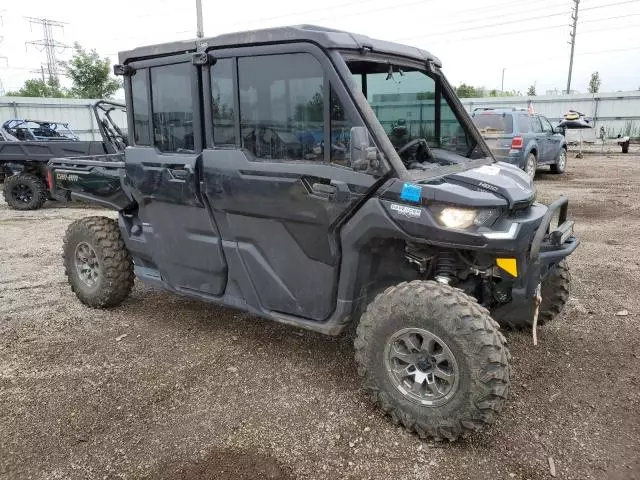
(532,90)
(594,82)
(467,91)
(506,93)
(90,74)
(39,88)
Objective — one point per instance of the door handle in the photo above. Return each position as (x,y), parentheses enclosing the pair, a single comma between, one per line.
(335,191)
(181,172)
(324,190)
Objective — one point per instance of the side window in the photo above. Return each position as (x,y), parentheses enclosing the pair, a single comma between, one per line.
(223,108)
(452,134)
(140,100)
(282,106)
(172,107)
(534,122)
(524,123)
(340,132)
(546,126)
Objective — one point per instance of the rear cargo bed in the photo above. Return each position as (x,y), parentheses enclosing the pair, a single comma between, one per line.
(93,179)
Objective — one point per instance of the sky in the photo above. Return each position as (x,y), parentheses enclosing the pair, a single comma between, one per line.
(476,40)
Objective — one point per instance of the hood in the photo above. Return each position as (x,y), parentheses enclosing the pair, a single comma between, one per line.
(502,179)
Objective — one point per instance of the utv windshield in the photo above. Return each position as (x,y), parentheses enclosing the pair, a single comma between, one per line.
(416,112)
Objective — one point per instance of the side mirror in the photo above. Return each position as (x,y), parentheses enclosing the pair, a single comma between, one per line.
(363,155)
(558,130)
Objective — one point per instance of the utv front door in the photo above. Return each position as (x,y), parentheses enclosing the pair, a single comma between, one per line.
(163,169)
(277,174)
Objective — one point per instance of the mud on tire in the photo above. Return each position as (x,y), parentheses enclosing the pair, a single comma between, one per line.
(555,292)
(25,191)
(471,336)
(97,263)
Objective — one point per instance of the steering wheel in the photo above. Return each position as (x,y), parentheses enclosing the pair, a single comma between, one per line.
(417,150)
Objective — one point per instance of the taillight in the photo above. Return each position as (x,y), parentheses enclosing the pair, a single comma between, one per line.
(49,179)
(517,143)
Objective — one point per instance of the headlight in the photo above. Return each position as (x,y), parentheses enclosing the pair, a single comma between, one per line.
(457,217)
(463,218)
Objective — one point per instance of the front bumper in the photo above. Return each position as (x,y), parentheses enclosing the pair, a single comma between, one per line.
(548,248)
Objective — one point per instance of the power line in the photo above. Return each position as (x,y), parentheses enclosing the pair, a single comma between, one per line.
(539,17)
(499,34)
(609,5)
(359,2)
(476,19)
(579,54)
(616,27)
(591,20)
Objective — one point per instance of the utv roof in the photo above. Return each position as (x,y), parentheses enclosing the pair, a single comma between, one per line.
(324,37)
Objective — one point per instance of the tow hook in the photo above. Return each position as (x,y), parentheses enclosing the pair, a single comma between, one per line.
(537,300)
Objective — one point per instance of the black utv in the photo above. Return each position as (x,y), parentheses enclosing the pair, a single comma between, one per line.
(27,145)
(319,178)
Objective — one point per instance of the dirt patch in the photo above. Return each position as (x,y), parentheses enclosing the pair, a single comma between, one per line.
(228,465)
(190,382)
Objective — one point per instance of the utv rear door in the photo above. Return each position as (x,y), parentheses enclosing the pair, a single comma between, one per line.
(162,169)
(277,174)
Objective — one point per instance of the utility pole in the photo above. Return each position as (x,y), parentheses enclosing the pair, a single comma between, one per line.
(200,29)
(48,44)
(574,17)
(502,86)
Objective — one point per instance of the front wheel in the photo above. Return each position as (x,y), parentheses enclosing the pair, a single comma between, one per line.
(432,359)
(555,292)
(25,191)
(97,263)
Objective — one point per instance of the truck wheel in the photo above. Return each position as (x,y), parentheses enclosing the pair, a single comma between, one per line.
(25,191)
(561,162)
(432,359)
(97,263)
(555,292)
(530,165)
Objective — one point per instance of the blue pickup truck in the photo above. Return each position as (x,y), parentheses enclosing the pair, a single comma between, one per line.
(523,139)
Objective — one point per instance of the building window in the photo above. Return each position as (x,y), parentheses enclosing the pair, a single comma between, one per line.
(140,101)
(282,106)
(172,107)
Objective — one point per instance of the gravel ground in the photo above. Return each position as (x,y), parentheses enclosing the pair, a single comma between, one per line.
(165,387)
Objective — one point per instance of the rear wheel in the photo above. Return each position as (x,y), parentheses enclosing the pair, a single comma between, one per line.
(25,191)
(433,359)
(97,263)
(561,162)
(530,165)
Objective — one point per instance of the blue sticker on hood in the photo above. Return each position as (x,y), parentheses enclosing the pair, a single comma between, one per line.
(411,193)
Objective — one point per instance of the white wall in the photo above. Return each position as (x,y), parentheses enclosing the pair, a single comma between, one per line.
(76,112)
(618,112)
